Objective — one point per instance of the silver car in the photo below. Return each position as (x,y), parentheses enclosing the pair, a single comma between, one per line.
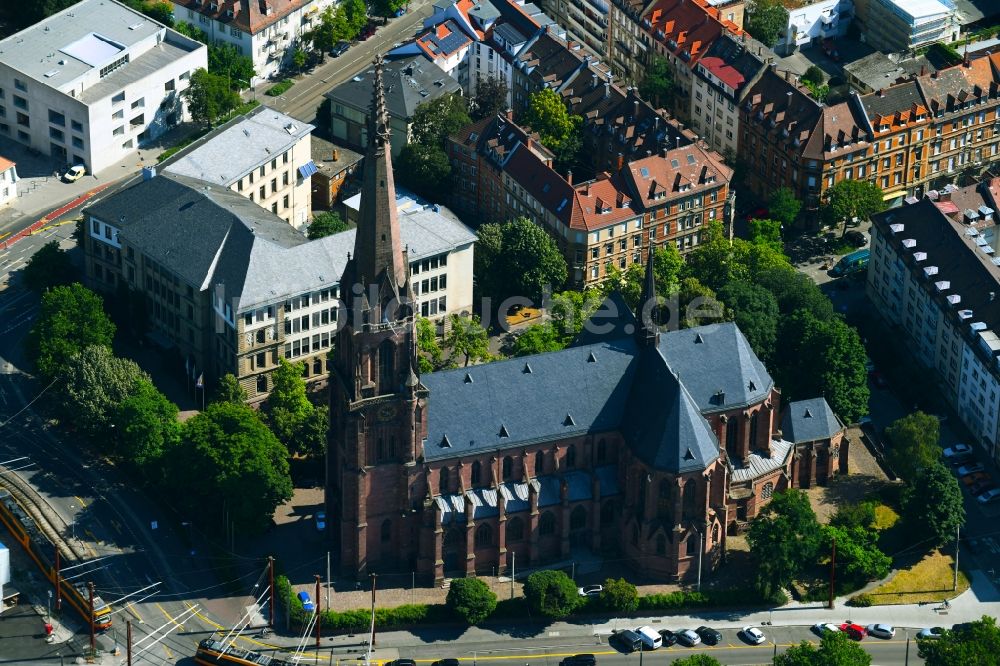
(881,630)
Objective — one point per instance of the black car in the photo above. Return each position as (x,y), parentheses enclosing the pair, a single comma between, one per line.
(579,660)
(340,49)
(446,662)
(669,637)
(856,238)
(708,635)
(626,640)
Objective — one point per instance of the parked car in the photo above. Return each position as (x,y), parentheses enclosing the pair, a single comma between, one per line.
(626,640)
(320,521)
(991,495)
(74,173)
(978,477)
(855,631)
(753,635)
(688,637)
(651,640)
(881,631)
(856,238)
(590,590)
(982,486)
(822,628)
(709,635)
(961,627)
(402,662)
(575,660)
(340,48)
(669,637)
(957,451)
(970,468)
(307,603)
(446,662)
(931,633)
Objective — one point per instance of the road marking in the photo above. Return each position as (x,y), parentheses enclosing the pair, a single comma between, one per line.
(170,655)
(167,615)
(80,500)
(218,626)
(134,612)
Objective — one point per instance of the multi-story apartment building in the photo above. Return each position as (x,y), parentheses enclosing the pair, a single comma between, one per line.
(92,83)
(934,276)
(265,155)
(8,181)
(905,25)
(444,44)
(722,80)
(813,21)
(610,221)
(268,31)
(586,22)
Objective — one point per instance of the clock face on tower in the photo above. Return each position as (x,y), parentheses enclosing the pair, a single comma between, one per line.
(386,412)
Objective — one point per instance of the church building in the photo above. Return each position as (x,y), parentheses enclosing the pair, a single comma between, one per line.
(640,444)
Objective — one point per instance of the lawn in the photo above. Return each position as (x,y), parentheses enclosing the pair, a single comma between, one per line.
(931,579)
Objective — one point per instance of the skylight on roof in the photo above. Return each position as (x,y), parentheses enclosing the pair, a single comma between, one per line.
(675,164)
(562,204)
(691,159)
(644,171)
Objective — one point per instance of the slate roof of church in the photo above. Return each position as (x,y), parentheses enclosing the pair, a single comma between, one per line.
(809,421)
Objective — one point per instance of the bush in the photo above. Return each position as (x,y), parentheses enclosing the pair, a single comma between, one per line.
(620,595)
(279,88)
(471,600)
(551,593)
(862,600)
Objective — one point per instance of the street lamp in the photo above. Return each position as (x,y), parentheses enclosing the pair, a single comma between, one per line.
(48,608)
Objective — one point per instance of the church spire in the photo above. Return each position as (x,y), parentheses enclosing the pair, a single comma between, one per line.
(378,255)
(649,307)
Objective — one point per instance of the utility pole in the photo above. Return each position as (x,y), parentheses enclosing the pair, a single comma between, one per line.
(513,557)
(128,643)
(372,644)
(701,547)
(319,610)
(907,660)
(270,575)
(641,650)
(58,583)
(93,638)
(833,569)
(328,580)
(958,531)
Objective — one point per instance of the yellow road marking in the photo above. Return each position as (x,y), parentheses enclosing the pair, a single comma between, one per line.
(170,655)
(80,500)
(2,236)
(134,612)
(167,615)
(218,626)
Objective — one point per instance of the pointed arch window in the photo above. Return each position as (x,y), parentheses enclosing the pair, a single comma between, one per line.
(477,473)
(578,519)
(690,500)
(444,483)
(571,456)
(507,467)
(515,529)
(539,463)
(692,544)
(547,524)
(386,366)
(484,536)
(664,507)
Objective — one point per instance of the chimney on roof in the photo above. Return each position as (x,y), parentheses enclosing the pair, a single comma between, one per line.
(336,155)
(586,189)
(569,176)
(620,199)
(621,161)
(593,80)
(944,194)
(635,109)
(527,142)
(923,69)
(607,89)
(509,114)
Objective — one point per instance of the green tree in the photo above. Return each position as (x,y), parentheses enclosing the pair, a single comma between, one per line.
(858,555)
(209,97)
(823,358)
(49,266)
(658,82)
(226,62)
(387,8)
(325,224)
(850,199)
(288,408)
(538,339)
(932,504)
(517,258)
(491,98)
(784,540)
(755,311)
(425,169)
(795,291)
(765,20)
(435,121)
(814,74)
(698,304)
(697,660)
(229,390)
(299,58)
(979,644)
(783,206)
(70,319)
(467,338)
(710,262)
(325,35)
(854,514)
(431,356)
(471,600)
(835,649)
(767,232)
(569,311)
(914,440)
(146,427)
(95,383)
(620,596)
(668,266)
(558,130)
(551,594)
(628,283)
(228,458)
(356,16)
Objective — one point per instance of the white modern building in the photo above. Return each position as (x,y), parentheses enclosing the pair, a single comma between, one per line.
(934,275)
(812,22)
(902,25)
(268,31)
(265,155)
(8,181)
(91,84)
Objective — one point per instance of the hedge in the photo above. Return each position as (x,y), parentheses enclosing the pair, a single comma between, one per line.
(279,88)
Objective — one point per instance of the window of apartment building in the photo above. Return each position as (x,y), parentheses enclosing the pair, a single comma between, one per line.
(274,208)
(899,159)
(57,118)
(284,157)
(22,119)
(239,185)
(56,134)
(118,115)
(118,130)
(23,136)
(263,192)
(274,164)
(885,181)
(274,185)
(76,126)
(595,252)
(251,177)
(141,102)
(20,102)
(284,202)
(262,170)
(609,248)
(19,84)
(886,163)
(138,120)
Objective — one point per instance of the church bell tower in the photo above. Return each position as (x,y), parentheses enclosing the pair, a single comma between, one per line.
(376,399)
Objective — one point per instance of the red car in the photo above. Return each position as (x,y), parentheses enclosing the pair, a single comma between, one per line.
(855,631)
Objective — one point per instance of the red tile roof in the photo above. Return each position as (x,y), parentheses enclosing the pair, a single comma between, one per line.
(5,164)
(601,203)
(659,178)
(248,15)
(692,25)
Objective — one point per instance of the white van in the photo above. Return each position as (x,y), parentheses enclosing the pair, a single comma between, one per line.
(650,639)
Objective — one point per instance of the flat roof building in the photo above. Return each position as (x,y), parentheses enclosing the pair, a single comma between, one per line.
(92,83)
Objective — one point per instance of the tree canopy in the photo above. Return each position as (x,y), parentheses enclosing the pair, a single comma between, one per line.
(325,224)
(517,258)
(932,504)
(471,600)
(229,390)
(766,20)
(466,338)
(767,232)
(859,558)
(784,539)
(849,199)
(558,130)
(835,649)
(228,458)
(783,206)
(209,97)
(290,415)
(537,339)
(70,319)
(146,427)
(620,596)
(49,266)
(755,311)
(697,660)
(95,383)
(914,440)
(490,99)
(551,594)
(657,82)
(431,356)
(425,169)
(814,74)
(978,643)
(435,121)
